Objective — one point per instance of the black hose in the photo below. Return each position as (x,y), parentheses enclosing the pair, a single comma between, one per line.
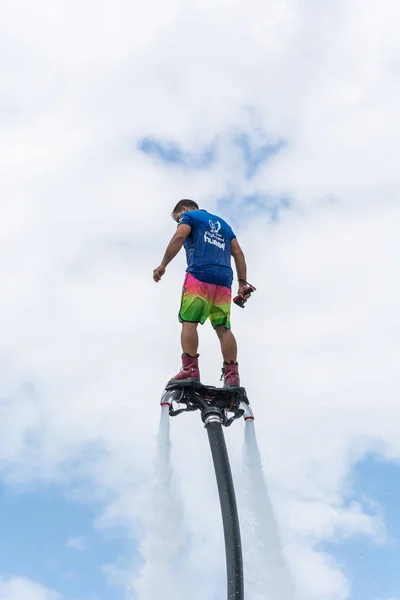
(230,519)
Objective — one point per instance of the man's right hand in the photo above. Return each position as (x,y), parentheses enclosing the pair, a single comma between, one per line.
(158,273)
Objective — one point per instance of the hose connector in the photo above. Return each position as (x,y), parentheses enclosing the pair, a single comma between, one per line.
(211,414)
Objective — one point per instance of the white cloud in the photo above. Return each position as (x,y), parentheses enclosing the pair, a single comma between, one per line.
(19,587)
(84,219)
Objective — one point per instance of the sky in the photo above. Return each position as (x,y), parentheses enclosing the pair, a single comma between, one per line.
(279,116)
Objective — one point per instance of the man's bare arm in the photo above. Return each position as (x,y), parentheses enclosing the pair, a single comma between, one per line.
(172,250)
(240,261)
(176,243)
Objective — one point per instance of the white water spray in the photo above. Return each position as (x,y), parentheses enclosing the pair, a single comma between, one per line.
(267,575)
(164,543)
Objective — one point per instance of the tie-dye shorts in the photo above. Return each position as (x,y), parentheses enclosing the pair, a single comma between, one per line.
(201,300)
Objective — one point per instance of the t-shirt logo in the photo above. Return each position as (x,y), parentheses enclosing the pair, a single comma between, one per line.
(213,236)
(215,227)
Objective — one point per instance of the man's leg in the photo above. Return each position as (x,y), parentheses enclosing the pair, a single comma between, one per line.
(230,369)
(228,344)
(191,313)
(189,338)
(190,363)
(220,320)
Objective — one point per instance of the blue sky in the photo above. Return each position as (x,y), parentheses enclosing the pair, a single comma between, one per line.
(171,153)
(254,153)
(372,568)
(51,539)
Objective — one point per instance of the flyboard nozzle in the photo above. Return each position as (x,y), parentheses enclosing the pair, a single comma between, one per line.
(166,399)
(248,413)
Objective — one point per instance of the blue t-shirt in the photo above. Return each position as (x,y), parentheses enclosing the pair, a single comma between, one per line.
(208,247)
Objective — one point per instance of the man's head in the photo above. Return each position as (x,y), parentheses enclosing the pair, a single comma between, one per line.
(183,206)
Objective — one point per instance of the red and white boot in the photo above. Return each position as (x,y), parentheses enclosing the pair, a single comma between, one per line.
(189,372)
(230,373)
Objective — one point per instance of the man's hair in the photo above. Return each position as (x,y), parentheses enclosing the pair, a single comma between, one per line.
(187,203)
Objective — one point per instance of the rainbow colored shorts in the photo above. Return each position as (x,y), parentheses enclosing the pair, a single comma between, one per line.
(201,300)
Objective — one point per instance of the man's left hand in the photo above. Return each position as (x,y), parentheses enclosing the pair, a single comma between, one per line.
(243,287)
(158,273)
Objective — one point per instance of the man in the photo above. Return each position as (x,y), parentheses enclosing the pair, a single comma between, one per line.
(209,243)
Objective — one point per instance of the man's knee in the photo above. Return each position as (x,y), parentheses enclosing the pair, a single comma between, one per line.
(188,325)
(221,330)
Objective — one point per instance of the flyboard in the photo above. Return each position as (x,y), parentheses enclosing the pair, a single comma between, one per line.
(228,404)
